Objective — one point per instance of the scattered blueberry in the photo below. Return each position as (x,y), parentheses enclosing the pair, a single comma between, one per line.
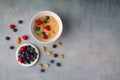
(54,46)
(55,55)
(58,64)
(15,30)
(20,21)
(42,70)
(12,47)
(7,38)
(52,61)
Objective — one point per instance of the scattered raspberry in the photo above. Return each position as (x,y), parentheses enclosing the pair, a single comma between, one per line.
(38,22)
(20,60)
(22,48)
(24,37)
(12,26)
(45,37)
(47,27)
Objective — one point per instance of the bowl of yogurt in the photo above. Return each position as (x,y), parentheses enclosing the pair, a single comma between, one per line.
(46,26)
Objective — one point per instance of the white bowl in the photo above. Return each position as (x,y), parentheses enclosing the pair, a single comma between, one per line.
(43,13)
(32,63)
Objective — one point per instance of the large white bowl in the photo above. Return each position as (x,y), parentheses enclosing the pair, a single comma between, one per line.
(43,13)
(32,63)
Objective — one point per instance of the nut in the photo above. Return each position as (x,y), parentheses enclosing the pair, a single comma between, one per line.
(58,44)
(43,48)
(40,65)
(49,53)
(61,56)
(17,40)
(46,65)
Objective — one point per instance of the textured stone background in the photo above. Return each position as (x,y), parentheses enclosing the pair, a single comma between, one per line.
(91,39)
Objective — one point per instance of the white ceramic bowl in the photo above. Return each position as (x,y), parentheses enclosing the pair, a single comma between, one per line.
(43,13)
(32,63)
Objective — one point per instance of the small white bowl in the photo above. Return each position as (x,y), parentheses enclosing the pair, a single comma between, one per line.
(43,13)
(32,63)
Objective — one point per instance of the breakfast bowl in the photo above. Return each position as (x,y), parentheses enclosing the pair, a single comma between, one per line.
(46,26)
(27,54)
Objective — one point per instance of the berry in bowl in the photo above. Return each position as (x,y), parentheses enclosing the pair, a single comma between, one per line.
(46,26)
(27,54)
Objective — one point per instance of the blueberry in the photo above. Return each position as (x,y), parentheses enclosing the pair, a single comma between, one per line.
(54,46)
(37,28)
(47,17)
(35,53)
(20,21)
(27,57)
(58,64)
(31,58)
(42,70)
(52,61)
(7,38)
(15,30)
(32,54)
(35,56)
(12,47)
(28,61)
(28,49)
(55,55)
(24,60)
(43,33)
(27,54)
(44,21)
(31,51)
(29,46)
(22,55)
(19,56)
(23,52)
(19,52)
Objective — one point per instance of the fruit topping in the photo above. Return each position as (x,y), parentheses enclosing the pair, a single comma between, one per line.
(38,22)
(47,27)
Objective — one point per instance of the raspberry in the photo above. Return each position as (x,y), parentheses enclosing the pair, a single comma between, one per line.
(24,37)
(12,26)
(20,60)
(47,27)
(38,22)
(45,37)
(22,48)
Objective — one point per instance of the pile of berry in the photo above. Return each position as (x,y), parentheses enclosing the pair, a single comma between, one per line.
(27,54)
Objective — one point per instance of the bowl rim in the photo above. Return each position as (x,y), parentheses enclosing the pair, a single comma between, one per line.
(36,60)
(59,22)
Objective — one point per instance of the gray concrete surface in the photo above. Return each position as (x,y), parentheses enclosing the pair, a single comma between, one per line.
(91,39)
